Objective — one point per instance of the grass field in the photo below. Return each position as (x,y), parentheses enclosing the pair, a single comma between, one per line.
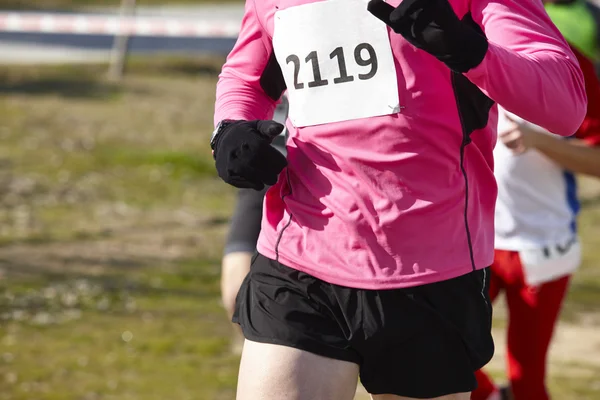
(111,228)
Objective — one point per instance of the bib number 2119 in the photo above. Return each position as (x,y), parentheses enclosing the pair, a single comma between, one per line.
(343,77)
(337,62)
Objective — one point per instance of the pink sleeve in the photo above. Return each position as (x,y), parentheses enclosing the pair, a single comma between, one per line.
(240,94)
(529,68)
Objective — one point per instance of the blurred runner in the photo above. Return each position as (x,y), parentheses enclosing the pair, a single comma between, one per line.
(537,246)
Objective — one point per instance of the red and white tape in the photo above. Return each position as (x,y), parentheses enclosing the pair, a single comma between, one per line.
(115,25)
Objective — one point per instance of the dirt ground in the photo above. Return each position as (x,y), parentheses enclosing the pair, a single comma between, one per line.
(111,214)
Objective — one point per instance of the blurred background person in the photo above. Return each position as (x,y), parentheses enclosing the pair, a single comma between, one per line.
(594,11)
(577,21)
(537,243)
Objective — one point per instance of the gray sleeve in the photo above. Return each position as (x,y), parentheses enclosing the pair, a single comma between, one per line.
(280,115)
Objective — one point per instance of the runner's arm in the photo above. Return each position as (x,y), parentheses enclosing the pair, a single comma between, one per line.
(575,155)
(529,68)
(582,153)
(250,83)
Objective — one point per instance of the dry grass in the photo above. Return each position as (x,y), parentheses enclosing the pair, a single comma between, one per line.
(111,228)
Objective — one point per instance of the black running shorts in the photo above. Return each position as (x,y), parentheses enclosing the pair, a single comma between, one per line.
(421,342)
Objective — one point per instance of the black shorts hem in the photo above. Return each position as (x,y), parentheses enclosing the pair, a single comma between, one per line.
(314,348)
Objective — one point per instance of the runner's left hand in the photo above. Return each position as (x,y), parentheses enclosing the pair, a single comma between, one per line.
(518,137)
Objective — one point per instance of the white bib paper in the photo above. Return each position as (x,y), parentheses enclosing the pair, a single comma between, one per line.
(550,263)
(337,62)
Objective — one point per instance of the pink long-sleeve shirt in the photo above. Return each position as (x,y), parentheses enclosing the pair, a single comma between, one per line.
(404,197)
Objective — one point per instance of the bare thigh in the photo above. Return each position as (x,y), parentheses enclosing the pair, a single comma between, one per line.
(457,396)
(269,371)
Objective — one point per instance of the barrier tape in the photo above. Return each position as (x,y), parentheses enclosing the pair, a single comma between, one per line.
(116,25)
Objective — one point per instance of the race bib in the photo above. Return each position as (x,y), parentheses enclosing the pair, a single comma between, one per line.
(551,262)
(337,62)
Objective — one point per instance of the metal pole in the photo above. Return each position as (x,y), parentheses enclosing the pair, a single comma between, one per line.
(121,44)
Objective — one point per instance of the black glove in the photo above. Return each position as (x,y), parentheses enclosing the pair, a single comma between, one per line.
(432,26)
(244,156)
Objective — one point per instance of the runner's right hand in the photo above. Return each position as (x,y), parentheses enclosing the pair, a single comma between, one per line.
(244,156)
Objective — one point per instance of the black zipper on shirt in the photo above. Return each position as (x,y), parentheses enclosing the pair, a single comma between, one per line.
(287,176)
(465,142)
(473,111)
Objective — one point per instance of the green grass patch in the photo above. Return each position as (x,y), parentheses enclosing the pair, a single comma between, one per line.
(153,333)
(112,223)
(178,164)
